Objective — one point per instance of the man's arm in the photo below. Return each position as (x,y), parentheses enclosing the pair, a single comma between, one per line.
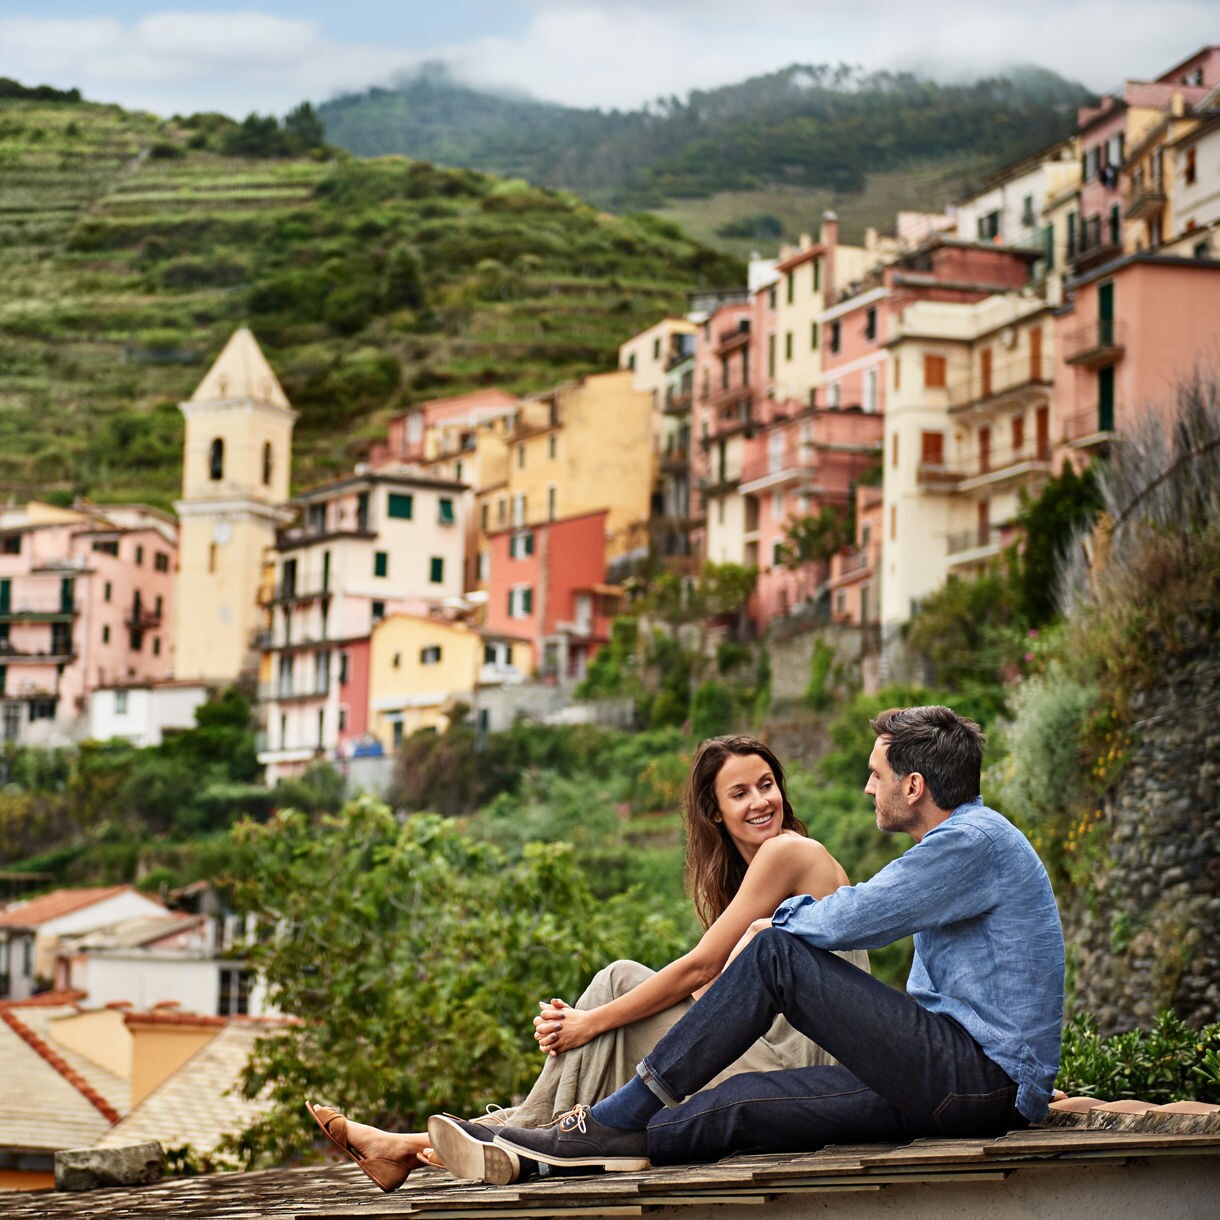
(946,877)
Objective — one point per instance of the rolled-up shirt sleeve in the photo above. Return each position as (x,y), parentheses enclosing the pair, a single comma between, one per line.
(943,878)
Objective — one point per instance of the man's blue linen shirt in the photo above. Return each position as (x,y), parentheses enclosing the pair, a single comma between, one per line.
(988,941)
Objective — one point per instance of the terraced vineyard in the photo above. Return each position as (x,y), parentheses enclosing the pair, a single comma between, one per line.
(127,256)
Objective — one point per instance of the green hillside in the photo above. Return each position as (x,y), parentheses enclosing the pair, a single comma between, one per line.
(130,248)
(809,126)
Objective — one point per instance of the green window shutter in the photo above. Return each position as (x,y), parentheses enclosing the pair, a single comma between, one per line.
(446,511)
(436,572)
(527,600)
(381,563)
(401,506)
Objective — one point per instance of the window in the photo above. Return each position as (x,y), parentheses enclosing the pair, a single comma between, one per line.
(120,703)
(771,355)
(893,521)
(401,506)
(520,456)
(771,297)
(1018,433)
(520,545)
(551,495)
(266,463)
(817,274)
(42,709)
(934,372)
(984,449)
(234,998)
(396,661)
(931,448)
(656,349)
(552,446)
(445,514)
(216,460)
(161,562)
(897,372)
(457,470)
(832,395)
(870,390)
(106,634)
(813,336)
(834,337)
(211,557)
(631,361)
(430,655)
(894,449)
(156,645)
(788,345)
(519,508)
(484,514)
(378,611)
(788,284)
(436,570)
(989,226)
(158,606)
(342,717)
(344,662)
(11,544)
(520,601)
(870,324)
(107,547)
(381,563)
(106,592)
(1190,170)
(1027,211)
(1116,224)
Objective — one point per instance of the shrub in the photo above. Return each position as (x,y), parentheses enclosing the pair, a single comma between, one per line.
(1169,1062)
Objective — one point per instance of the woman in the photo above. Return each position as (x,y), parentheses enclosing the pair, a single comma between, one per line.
(746,852)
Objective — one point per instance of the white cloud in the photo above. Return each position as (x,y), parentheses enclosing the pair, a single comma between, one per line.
(593,53)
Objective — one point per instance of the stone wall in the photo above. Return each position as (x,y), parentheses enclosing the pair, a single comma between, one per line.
(1144,937)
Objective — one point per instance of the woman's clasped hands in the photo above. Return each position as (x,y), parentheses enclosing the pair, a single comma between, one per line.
(559,1027)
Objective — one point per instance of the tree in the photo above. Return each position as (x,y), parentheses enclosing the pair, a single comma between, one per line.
(815,538)
(416,957)
(303,130)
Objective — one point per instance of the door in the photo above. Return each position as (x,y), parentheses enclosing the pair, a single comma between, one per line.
(1105,314)
(1035,354)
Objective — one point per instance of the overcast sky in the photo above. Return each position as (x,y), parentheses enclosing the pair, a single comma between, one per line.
(268,55)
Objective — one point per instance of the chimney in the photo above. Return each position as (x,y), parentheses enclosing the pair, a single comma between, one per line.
(829,232)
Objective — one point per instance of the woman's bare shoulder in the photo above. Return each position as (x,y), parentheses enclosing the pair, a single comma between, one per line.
(806,856)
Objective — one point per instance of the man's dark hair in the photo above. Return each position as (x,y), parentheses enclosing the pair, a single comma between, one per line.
(943,747)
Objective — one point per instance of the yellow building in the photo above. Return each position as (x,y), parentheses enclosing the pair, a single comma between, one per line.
(235,481)
(418,669)
(649,356)
(582,447)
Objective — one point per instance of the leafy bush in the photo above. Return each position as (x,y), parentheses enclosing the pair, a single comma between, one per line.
(1169,1062)
(712,710)
(419,955)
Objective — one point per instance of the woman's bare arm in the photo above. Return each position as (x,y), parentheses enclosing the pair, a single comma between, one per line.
(784,866)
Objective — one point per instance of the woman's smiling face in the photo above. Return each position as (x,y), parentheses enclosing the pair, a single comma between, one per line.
(750,802)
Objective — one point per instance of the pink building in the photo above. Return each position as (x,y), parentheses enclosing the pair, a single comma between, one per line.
(1107,132)
(855,572)
(85,601)
(547,586)
(406,434)
(1134,329)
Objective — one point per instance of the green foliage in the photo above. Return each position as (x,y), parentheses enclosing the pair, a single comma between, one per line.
(814,539)
(805,126)
(819,693)
(418,955)
(1066,505)
(764,226)
(711,710)
(1169,1062)
(971,633)
(318,789)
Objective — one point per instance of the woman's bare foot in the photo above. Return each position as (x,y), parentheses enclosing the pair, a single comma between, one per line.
(372,1142)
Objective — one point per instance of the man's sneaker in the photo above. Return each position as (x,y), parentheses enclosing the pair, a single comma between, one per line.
(576,1139)
(468,1152)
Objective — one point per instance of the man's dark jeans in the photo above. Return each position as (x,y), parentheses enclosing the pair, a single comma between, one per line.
(904,1072)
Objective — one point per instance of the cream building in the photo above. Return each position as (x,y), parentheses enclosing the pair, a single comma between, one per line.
(968,426)
(649,356)
(235,483)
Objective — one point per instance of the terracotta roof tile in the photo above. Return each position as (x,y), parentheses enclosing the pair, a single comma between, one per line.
(201,1101)
(44,1104)
(46,907)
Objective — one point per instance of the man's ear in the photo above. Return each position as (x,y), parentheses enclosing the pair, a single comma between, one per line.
(914,786)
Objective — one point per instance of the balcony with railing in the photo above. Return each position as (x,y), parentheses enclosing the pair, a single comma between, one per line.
(1090,427)
(288,692)
(1095,343)
(677,403)
(733,338)
(675,460)
(141,618)
(287,594)
(1147,199)
(1013,384)
(969,546)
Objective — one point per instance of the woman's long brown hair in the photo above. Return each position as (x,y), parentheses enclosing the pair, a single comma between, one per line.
(714,866)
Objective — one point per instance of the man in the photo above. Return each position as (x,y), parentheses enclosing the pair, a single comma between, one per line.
(972,1048)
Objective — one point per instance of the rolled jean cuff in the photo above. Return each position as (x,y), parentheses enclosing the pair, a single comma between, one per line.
(656,1086)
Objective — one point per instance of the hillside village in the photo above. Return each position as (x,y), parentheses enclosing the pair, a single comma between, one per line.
(919,386)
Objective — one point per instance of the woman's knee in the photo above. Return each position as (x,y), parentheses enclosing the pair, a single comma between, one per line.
(620,977)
